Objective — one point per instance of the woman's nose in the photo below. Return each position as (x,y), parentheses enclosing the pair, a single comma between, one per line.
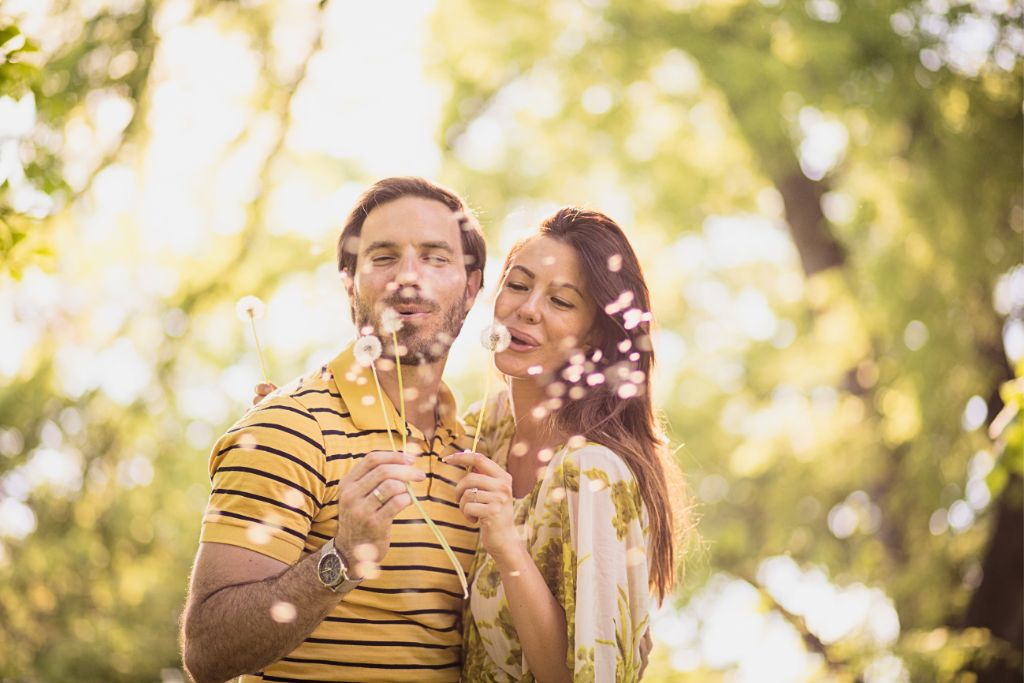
(528,312)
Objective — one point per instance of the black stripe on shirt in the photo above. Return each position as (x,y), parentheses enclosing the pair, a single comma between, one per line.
(435,546)
(416,568)
(399,591)
(332,411)
(269,475)
(317,391)
(244,518)
(281,428)
(264,499)
(274,451)
(438,522)
(280,679)
(392,622)
(297,411)
(379,643)
(368,665)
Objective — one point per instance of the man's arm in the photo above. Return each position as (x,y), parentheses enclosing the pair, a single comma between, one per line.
(246,610)
(229,626)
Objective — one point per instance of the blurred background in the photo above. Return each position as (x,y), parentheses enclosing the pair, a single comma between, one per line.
(826,196)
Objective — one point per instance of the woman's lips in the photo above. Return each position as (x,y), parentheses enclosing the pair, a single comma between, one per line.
(521,341)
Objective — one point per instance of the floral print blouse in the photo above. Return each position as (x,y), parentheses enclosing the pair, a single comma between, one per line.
(587,530)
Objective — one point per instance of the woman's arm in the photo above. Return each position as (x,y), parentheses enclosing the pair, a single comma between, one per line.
(485,495)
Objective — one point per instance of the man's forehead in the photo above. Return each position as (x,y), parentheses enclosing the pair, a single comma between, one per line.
(411,220)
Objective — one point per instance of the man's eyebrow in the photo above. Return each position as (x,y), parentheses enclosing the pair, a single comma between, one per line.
(437,244)
(382,244)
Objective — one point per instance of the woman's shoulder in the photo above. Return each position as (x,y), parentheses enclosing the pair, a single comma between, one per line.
(594,460)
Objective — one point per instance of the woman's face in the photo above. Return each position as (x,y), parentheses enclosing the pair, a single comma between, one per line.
(545,306)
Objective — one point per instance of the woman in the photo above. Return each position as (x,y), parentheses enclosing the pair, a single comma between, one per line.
(577,521)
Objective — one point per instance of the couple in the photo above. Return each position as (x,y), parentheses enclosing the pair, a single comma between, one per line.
(313,563)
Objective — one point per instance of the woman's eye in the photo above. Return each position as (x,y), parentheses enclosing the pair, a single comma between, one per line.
(562,303)
(516,287)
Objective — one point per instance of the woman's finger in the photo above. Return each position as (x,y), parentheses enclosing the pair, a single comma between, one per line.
(478,462)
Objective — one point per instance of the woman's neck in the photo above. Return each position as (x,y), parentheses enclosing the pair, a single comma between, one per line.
(535,432)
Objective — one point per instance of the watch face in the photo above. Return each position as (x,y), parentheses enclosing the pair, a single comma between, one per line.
(329,569)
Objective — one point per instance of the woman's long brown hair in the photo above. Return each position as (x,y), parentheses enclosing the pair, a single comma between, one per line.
(622,422)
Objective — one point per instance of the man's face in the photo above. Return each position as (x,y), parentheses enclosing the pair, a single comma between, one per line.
(410,260)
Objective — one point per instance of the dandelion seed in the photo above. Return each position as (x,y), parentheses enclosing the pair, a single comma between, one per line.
(578,359)
(365,330)
(627,391)
(635,557)
(368,401)
(595,378)
(351,245)
(411,394)
(367,350)
(257,534)
(247,442)
(577,441)
(625,345)
(576,393)
(293,498)
(368,569)
(632,318)
(545,455)
(539,412)
(548,260)
(557,494)
(596,485)
(598,355)
(445,338)
(519,449)
(385,365)
(249,307)
(407,293)
(283,612)
(553,404)
(390,321)
(365,552)
(555,389)
(495,337)
(534,370)
(514,573)
(634,356)
(637,377)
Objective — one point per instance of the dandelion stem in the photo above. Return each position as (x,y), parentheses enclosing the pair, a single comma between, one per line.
(483,406)
(408,488)
(259,349)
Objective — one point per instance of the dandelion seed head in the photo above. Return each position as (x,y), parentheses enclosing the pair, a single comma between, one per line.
(627,390)
(367,350)
(249,308)
(495,337)
(390,321)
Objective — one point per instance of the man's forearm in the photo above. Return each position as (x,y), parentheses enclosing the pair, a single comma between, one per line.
(240,629)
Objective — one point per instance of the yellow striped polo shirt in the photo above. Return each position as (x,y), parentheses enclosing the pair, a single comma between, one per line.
(275,490)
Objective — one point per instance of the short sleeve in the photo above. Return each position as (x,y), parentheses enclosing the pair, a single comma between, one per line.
(268,481)
(605,594)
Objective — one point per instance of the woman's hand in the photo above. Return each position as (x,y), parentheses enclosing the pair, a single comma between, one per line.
(485,496)
(262,390)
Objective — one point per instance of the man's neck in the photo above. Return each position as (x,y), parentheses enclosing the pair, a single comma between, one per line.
(421,384)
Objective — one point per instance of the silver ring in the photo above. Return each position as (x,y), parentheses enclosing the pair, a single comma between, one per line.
(474,491)
(379,496)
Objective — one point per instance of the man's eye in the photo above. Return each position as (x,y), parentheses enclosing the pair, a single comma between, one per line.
(381,260)
(437,259)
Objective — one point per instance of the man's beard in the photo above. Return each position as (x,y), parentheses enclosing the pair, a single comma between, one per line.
(420,348)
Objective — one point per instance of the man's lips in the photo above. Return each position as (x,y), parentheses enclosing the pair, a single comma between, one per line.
(521,341)
(409,310)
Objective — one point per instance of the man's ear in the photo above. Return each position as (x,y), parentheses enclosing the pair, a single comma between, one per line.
(473,283)
(349,284)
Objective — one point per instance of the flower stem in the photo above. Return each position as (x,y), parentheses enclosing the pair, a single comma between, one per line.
(405,426)
(259,349)
(483,406)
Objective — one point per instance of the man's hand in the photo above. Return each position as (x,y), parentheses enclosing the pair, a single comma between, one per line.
(369,497)
(262,390)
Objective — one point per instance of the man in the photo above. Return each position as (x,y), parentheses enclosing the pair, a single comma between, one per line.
(312,565)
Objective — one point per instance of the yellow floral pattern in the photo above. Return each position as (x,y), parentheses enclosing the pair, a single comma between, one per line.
(586,528)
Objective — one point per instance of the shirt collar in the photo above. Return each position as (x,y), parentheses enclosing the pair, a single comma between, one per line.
(358,389)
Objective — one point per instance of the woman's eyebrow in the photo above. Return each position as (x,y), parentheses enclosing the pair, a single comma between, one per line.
(529,273)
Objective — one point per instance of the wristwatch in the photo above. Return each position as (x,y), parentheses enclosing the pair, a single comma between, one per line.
(332,570)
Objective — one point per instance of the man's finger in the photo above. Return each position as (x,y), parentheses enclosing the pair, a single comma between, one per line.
(376,458)
(375,477)
(394,505)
